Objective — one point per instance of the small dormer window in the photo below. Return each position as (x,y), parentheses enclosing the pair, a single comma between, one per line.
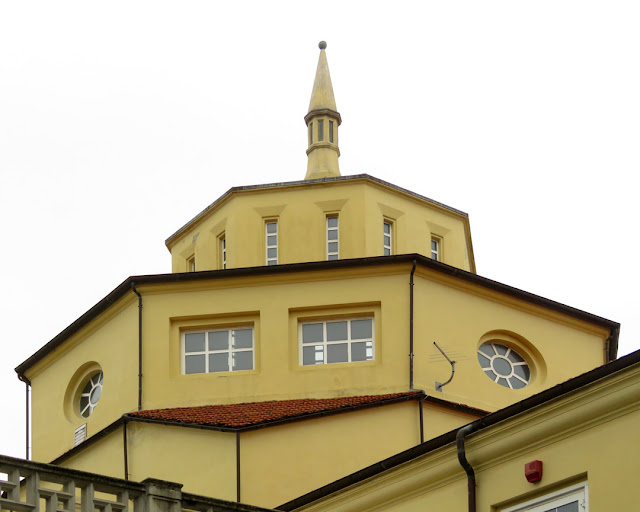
(387,233)
(436,248)
(330,131)
(191,264)
(320,130)
(271,248)
(333,252)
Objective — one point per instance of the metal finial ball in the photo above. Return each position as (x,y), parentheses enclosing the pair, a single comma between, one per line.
(322,45)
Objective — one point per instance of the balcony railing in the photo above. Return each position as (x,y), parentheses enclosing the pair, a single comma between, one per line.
(27,486)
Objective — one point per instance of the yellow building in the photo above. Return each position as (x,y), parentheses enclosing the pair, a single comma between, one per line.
(308,329)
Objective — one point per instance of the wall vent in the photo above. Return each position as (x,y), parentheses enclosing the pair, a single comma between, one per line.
(80,435)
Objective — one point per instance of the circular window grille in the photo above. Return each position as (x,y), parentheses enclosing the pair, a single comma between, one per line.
(91,394)
(504,365)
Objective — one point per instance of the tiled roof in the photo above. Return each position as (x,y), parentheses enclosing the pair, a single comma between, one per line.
(255,413)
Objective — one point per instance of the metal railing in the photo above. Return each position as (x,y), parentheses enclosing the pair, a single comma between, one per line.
(27,486)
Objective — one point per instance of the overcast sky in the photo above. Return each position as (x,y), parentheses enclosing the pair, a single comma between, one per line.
(119,121)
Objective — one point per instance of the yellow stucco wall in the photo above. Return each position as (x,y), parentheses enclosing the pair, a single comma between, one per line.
(110,343)
(456,316)
(586,436)
(361,204)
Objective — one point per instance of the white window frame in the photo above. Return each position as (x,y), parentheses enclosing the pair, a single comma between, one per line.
(578,492)
(333,255)
(273,260)
(206,352)
(223,250)
(387,244)
(191,263)
(436,254)
(324,343)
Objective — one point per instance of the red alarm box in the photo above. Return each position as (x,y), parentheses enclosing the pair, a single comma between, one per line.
(533,471)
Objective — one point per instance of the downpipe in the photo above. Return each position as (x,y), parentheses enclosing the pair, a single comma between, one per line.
(462,458)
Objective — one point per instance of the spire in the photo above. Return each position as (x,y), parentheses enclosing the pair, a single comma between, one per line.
(322,121)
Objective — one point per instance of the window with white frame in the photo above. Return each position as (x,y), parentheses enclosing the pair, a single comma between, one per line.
(191,264)
(333,250)
(387,229)
(222,240)
(217,350)
(569,499)
(271,246)
(436,248)
(336,341)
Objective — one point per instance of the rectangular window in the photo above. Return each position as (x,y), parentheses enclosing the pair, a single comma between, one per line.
(332,238)
(320,129)
(570,499)
(310,134)
(330,131)
(336,341)
(223,251)
(271,246)
(436,247)
(219,350)
(387,234)
(191,264)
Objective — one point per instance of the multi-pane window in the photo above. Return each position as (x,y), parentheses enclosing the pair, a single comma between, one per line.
(336,341)
(387,234)
(219,350)
(332,238)
(223,251)
(571,499)
(435,248)
(191,264)
(330,131)
(271,246)
(320,129)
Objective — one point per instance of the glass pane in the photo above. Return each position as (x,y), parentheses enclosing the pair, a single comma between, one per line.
(312,355)
(501,366)
(272,227)
(484,360)
(219,362)
(272,253)
(332,257)
(361,329)
(515,357)
(336,331)
(312,333)
(194,342)
(320,129)
(569,507)
(387,228)
(194,364)
(310,133)
(219,340)
(332,235)
(333,246)
(332,222)
(487,350)
(516,384)
(387,240)
(330,131)
(338,353)
(500,349)
(387,251)
(243,360)
(491,375)
(272,262)
(361,351)
(522,371)
(503,382)
(243,338)
(272,240)
(434,246)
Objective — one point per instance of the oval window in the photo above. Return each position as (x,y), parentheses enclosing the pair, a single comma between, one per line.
(90,394)
(504,365)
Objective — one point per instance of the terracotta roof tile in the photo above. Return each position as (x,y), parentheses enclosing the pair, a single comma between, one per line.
(254,413)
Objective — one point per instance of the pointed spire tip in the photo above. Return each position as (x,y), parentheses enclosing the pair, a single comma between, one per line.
(322,45)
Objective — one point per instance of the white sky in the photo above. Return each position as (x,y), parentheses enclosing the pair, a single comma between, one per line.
(119,121)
